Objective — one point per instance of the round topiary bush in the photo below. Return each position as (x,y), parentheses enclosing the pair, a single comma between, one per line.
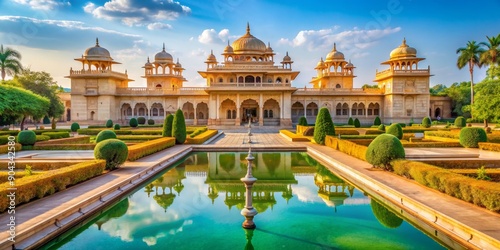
(383,149)
(396,130)
(350,122)
(381,127)
(179,127)
(109,123)
(75,127)
(26,138)
(117,126)
(323,126)
(151,122)
(167,126)
(377,121)
(357,124)
(114,151)
(141,120)
(385,216)
(460,122)
(133,123)
(105,135)
(426,122)
(303,121)
(470,137)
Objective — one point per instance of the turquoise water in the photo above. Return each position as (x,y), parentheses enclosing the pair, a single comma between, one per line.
(197,205)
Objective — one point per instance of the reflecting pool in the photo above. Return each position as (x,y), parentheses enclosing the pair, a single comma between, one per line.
(197,204)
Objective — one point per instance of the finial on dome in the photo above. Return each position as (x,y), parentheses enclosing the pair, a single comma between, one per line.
(163,46)
(287,53)
(334,47)
(148,59)
(211,52)
(322,59)
(349,60)
(268,44)
(248,28)
(177,59)
(97,42)
(227,42)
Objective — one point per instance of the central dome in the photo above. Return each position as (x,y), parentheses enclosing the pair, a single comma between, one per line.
(403,51)
(249,43)
(335,55)
(163,56)
(97,52)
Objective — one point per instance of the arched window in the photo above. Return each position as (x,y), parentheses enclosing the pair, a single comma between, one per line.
(270,114)
(345,109)
(354,109)
(231,80)
(249,79)
(234,114)
(376,109)
(240,79)
(220,79)
(200,115)
(257,79)
(155,112)
(338,109)
(278,80)
(129,111)
(361,109)
(228,116)
(265,113)
(158,86)
(191,115)
(338,86)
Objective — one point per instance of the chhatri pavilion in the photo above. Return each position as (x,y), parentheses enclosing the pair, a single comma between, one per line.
(248,85)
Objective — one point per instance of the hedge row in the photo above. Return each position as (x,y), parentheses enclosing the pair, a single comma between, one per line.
(494,174)
(56,135)
(4,149)
(461,164)
(349,137)
(138,137)
(38,166)
(441,139)
(301,129)
(4,176)
(432,144)
(71,140)
(482,193)
(64,146)
(418,130)
(340,131)
(41,131)
(203,137)
(294,137)
(374,132)
(489,146)
(197,132)
(9,132)
(150,147)
(4,139)
(445,134)
(41,185)
(348,147)
(494,138)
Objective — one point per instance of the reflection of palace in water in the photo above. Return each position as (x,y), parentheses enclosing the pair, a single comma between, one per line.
(276,173)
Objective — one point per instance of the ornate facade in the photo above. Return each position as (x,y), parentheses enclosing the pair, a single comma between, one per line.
(247,85)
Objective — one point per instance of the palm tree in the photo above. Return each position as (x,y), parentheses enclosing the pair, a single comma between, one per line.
(491,55)
(470,55)
(9,61)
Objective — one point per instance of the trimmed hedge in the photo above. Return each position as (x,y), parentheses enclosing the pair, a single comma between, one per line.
(303,121)
(489,146)
(26,138)
(350,121)
(138,137)
(381,127)
(430,144)
(109,123)
(375,132)
(9,132)
(396,130)
(323,126)
(167,126)
(348,147)
(40,185)
(197,132)
(42,138)
(494,138)
(377,121)
(482,193)
(117,127)
(41,131)
(383,149)
(150,147)
(350,137)
(56,135)
(294,137)
(426,122)
(141,120)
(75,127)
(470,137)
(133,123)
(179,127)
(88,146)
(4,139)
(340,131)
(461,164)
(71,140)
(105,135)
(357,124)
(460,122)
(202,137)
(494,174)
(151,122)
(114,151)
(4,149)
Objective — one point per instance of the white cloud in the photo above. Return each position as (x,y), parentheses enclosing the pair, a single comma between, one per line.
(138,12)
(43,4)
(198,52)
(209,36)
(353,40)
(159,26)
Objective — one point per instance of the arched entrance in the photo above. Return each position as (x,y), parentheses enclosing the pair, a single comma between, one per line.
(437,113)
(271,113)
(188,110)
(250,111)
(202,113)
(297,111)
(227,112)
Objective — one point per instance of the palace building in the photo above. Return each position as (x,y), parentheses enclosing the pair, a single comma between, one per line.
(248,85)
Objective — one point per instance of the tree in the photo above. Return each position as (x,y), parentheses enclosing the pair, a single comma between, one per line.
(17,102)
(9,62)
(167,126)
(469,55)
(491,55)
(438,90)
(323,126)
(43,84)
(487,105)
(460,98)
(179,127)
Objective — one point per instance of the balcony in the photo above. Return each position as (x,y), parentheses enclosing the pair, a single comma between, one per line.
(388,73)
(337,91)
(143,91)
(97,73)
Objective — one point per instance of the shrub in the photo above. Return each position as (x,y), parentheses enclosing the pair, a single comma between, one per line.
(56,135)
(114,151)
(46,120)
(105,135)
(470,137)
(179,127)
(146,148)
(141,120)
(323,126)
(383,149)
(426,122)
(348,147)
(133,123)
(26,138)
(75,127)
(303,121)
(460,122)
(151,122)
(381,127)
(357,124)
(109,123)
(117,126)
(350,122)
(385,216)
(377,121)
(201,138)
(396,130)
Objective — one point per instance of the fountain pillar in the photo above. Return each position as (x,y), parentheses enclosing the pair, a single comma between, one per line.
(249,211)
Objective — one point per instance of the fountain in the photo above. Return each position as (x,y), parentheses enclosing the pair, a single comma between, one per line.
(249,211)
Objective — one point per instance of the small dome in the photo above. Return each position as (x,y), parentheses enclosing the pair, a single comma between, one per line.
(97,52)
(403,51)
(178,64)
(335,55)
(287,58)
(349,65)
(228,49)
(249,43)
(163,56)
(211,57)
(269,49)
(321,64)
(148,64)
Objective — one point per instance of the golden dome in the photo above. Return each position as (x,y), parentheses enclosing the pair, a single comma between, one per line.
(287,58)
(228,49)
(163,56)
(334,55)
(249,43)
(349,65)
(148,64)
(403,51)
(321,64)
(178,64)
(97,53)
(211,57)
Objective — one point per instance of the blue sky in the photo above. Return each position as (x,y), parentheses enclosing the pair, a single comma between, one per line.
(51,33)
